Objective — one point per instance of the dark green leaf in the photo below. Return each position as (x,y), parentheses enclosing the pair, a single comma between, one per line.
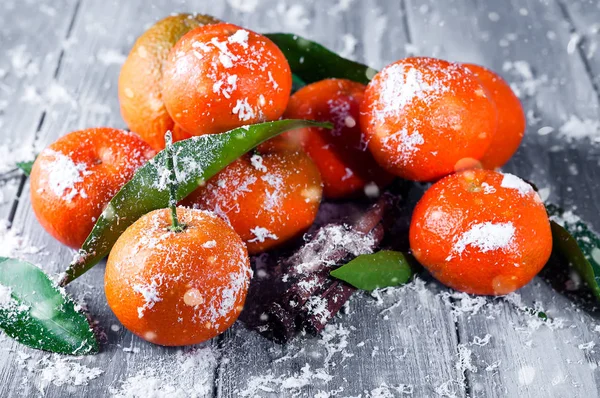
(40,315)
(25,167)
(579,245)
(312,62)
(198,159)
(297,83)
(372,271)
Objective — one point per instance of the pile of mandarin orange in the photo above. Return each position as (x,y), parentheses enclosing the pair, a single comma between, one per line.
(422,119)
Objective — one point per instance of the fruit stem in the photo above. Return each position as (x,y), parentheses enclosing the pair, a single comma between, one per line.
(170,164)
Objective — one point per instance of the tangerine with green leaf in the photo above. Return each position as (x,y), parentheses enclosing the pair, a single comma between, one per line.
(177,276)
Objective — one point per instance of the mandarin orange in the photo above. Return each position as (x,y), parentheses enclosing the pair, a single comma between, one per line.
(511,118)
(268,197)
(177,288)
(74,178)
(424,118)
(481,232)
(140,80)
(341,154)
(219,77)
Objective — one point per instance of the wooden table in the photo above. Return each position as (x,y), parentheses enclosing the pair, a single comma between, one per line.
(58,72)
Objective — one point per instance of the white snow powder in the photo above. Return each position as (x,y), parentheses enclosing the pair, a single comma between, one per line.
(243,109)
(210,244)
(5,296)
(511,181)
(63,174)
(486,236)
(576,129)
(261,234)
(407,145)
(257,162)
(60,370)
(183,374)
(109,56)
(13,244)
(404,84)
(150,294)
(244,5)
(240,37)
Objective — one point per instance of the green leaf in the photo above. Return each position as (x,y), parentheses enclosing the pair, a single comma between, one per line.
(25,167)
(578,244)
(373,271)
(297,83)
(40,315)
(198,159)
(312,62)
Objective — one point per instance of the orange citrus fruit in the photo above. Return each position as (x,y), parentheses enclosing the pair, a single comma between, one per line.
(341,154)
(481,232)
(425,118)
(177,288)
(219,77)
(140,92)
(268,197)
(74,178)
(511,118)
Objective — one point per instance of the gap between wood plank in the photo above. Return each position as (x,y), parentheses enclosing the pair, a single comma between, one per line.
(23,178)
(573,29)
(67,36)
(405,23)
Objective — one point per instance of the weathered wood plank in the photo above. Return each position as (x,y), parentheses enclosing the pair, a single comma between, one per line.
(519,361)
(404,343)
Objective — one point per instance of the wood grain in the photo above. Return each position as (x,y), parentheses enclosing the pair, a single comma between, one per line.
(409,342)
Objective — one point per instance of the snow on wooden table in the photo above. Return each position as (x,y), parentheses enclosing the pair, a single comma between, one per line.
(58,73)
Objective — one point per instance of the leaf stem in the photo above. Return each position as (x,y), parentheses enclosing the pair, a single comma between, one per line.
(170,164)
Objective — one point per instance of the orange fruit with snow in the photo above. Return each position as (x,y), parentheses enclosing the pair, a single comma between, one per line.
(140,80)
(73,179)
(177,288)
(425,118)
(345,163)
(511,118)
(268,197)
(221,76)
(481,232)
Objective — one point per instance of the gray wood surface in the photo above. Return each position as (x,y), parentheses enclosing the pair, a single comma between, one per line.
(58,73)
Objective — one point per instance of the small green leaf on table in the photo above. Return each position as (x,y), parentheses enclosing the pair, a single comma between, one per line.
(312,62)
(25,167)
(197,160)
(578,244)
(374,271)
(38,314)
